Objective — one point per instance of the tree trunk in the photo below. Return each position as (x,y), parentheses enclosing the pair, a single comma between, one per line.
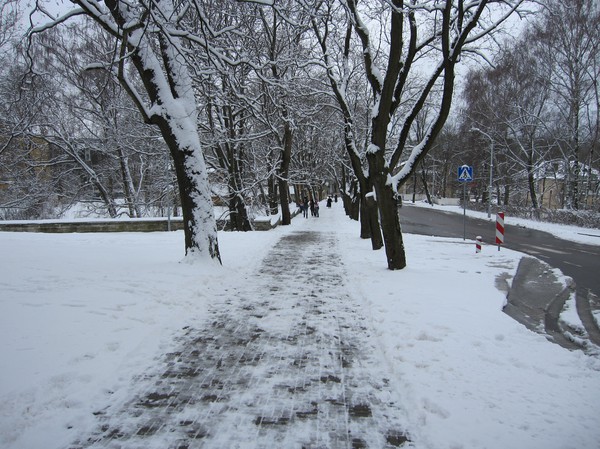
(390,225)
(387,205)
(238,215)
(354,205)
(414,195)
(576,177)
(284,169)
(369,220)
(200,228)
(425,186)
(352,202)
(172,107)
(106,197)
(531,184)
(365,225)
(176,202)
(298,193)
(272,187)
(129,190)
(284,200)
(343,191)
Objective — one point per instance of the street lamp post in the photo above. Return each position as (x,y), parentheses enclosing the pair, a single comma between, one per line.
(491,184)
(489,208)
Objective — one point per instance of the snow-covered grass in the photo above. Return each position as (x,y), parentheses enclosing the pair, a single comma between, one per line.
(83,314)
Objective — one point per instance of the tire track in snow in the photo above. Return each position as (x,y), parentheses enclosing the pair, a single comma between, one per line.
(287,363)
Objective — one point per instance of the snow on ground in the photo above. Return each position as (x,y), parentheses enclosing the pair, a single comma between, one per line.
(571,233)
(82,314)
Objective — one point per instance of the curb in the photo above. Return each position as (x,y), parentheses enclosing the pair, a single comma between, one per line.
(554,326)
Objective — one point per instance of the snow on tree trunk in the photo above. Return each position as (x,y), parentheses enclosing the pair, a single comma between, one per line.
(168,85)
(199,223)
(128,188)
(388,211)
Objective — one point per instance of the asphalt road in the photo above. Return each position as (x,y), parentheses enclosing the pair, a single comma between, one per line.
(578,261)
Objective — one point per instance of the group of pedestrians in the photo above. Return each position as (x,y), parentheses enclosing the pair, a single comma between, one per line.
(311,205)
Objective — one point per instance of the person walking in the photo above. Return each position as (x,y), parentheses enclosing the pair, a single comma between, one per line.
(305,207)
(316,209)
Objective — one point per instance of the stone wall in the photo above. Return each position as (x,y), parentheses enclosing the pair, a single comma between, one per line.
(144,225)
(93,226)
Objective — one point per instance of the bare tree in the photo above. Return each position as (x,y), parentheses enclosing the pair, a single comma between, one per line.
(326,25)
(541,96)
(282,31)
(440,31)
(151,40)
(509,106)
(567,42)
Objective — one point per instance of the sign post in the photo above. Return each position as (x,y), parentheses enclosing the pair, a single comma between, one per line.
(465,174)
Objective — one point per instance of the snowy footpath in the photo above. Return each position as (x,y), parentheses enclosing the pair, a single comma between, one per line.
(284,361)
(302,340)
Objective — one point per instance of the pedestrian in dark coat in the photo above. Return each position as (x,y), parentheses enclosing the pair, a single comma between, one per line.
(305,207)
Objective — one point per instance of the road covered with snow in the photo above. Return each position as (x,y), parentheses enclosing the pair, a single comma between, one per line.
(302,339)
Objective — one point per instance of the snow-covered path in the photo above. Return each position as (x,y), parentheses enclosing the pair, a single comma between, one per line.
(285,359)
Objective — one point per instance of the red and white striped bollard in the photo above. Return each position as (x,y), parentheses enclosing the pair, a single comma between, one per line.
(478,244)
(499,229)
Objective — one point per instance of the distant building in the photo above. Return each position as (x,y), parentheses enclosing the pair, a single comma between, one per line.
(551,179)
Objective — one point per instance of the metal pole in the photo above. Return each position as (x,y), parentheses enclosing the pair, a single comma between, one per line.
(491,186)
(464,211)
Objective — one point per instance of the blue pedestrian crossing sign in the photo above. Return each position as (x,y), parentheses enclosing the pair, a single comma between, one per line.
(465,173)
